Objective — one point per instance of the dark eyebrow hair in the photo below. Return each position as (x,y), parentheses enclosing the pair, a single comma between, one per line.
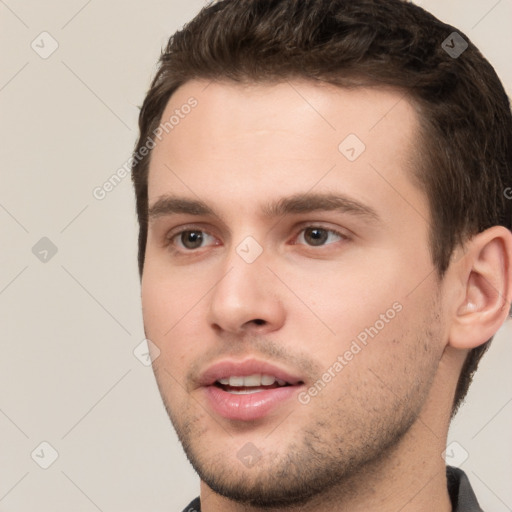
(297,203)
(310,202)
(167,205)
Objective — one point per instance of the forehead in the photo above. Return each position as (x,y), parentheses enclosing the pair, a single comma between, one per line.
(272,139)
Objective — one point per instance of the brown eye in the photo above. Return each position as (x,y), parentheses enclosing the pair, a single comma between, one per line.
(316,236)
(191,239)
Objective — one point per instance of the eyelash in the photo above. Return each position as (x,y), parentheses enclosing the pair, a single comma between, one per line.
(173,235)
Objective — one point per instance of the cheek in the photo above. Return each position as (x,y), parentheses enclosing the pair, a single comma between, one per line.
(349,298)
(379,304)
(170,293)
(173,307)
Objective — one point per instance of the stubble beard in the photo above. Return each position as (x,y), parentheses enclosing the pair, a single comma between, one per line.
(330,456)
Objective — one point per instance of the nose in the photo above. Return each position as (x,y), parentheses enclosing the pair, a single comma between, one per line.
(246,298)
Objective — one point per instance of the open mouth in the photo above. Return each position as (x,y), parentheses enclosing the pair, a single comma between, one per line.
(248,390)
(248,384)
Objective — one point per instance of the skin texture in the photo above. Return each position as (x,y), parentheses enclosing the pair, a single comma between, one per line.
(372,438)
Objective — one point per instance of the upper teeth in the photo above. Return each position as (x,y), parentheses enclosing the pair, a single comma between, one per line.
(251,380)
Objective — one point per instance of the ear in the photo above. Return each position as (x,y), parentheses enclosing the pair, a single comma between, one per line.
(485,276)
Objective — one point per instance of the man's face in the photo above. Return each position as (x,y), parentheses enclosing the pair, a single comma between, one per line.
(342,303)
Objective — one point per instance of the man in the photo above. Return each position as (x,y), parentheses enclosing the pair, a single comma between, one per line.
(325,249)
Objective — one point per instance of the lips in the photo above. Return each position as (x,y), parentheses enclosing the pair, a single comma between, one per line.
(227,369)
(247,390)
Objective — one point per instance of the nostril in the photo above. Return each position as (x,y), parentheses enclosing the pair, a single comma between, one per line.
(259,321)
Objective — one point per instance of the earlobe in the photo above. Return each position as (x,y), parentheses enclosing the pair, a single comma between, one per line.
(486,270)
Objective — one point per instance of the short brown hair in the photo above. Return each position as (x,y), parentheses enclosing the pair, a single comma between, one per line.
(466,144)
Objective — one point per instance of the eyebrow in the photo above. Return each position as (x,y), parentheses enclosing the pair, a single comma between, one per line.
(294,204)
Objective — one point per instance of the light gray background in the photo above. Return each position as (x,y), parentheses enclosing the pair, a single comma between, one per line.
(68,375)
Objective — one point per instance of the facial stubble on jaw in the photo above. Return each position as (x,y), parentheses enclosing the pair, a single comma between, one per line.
(335,450)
